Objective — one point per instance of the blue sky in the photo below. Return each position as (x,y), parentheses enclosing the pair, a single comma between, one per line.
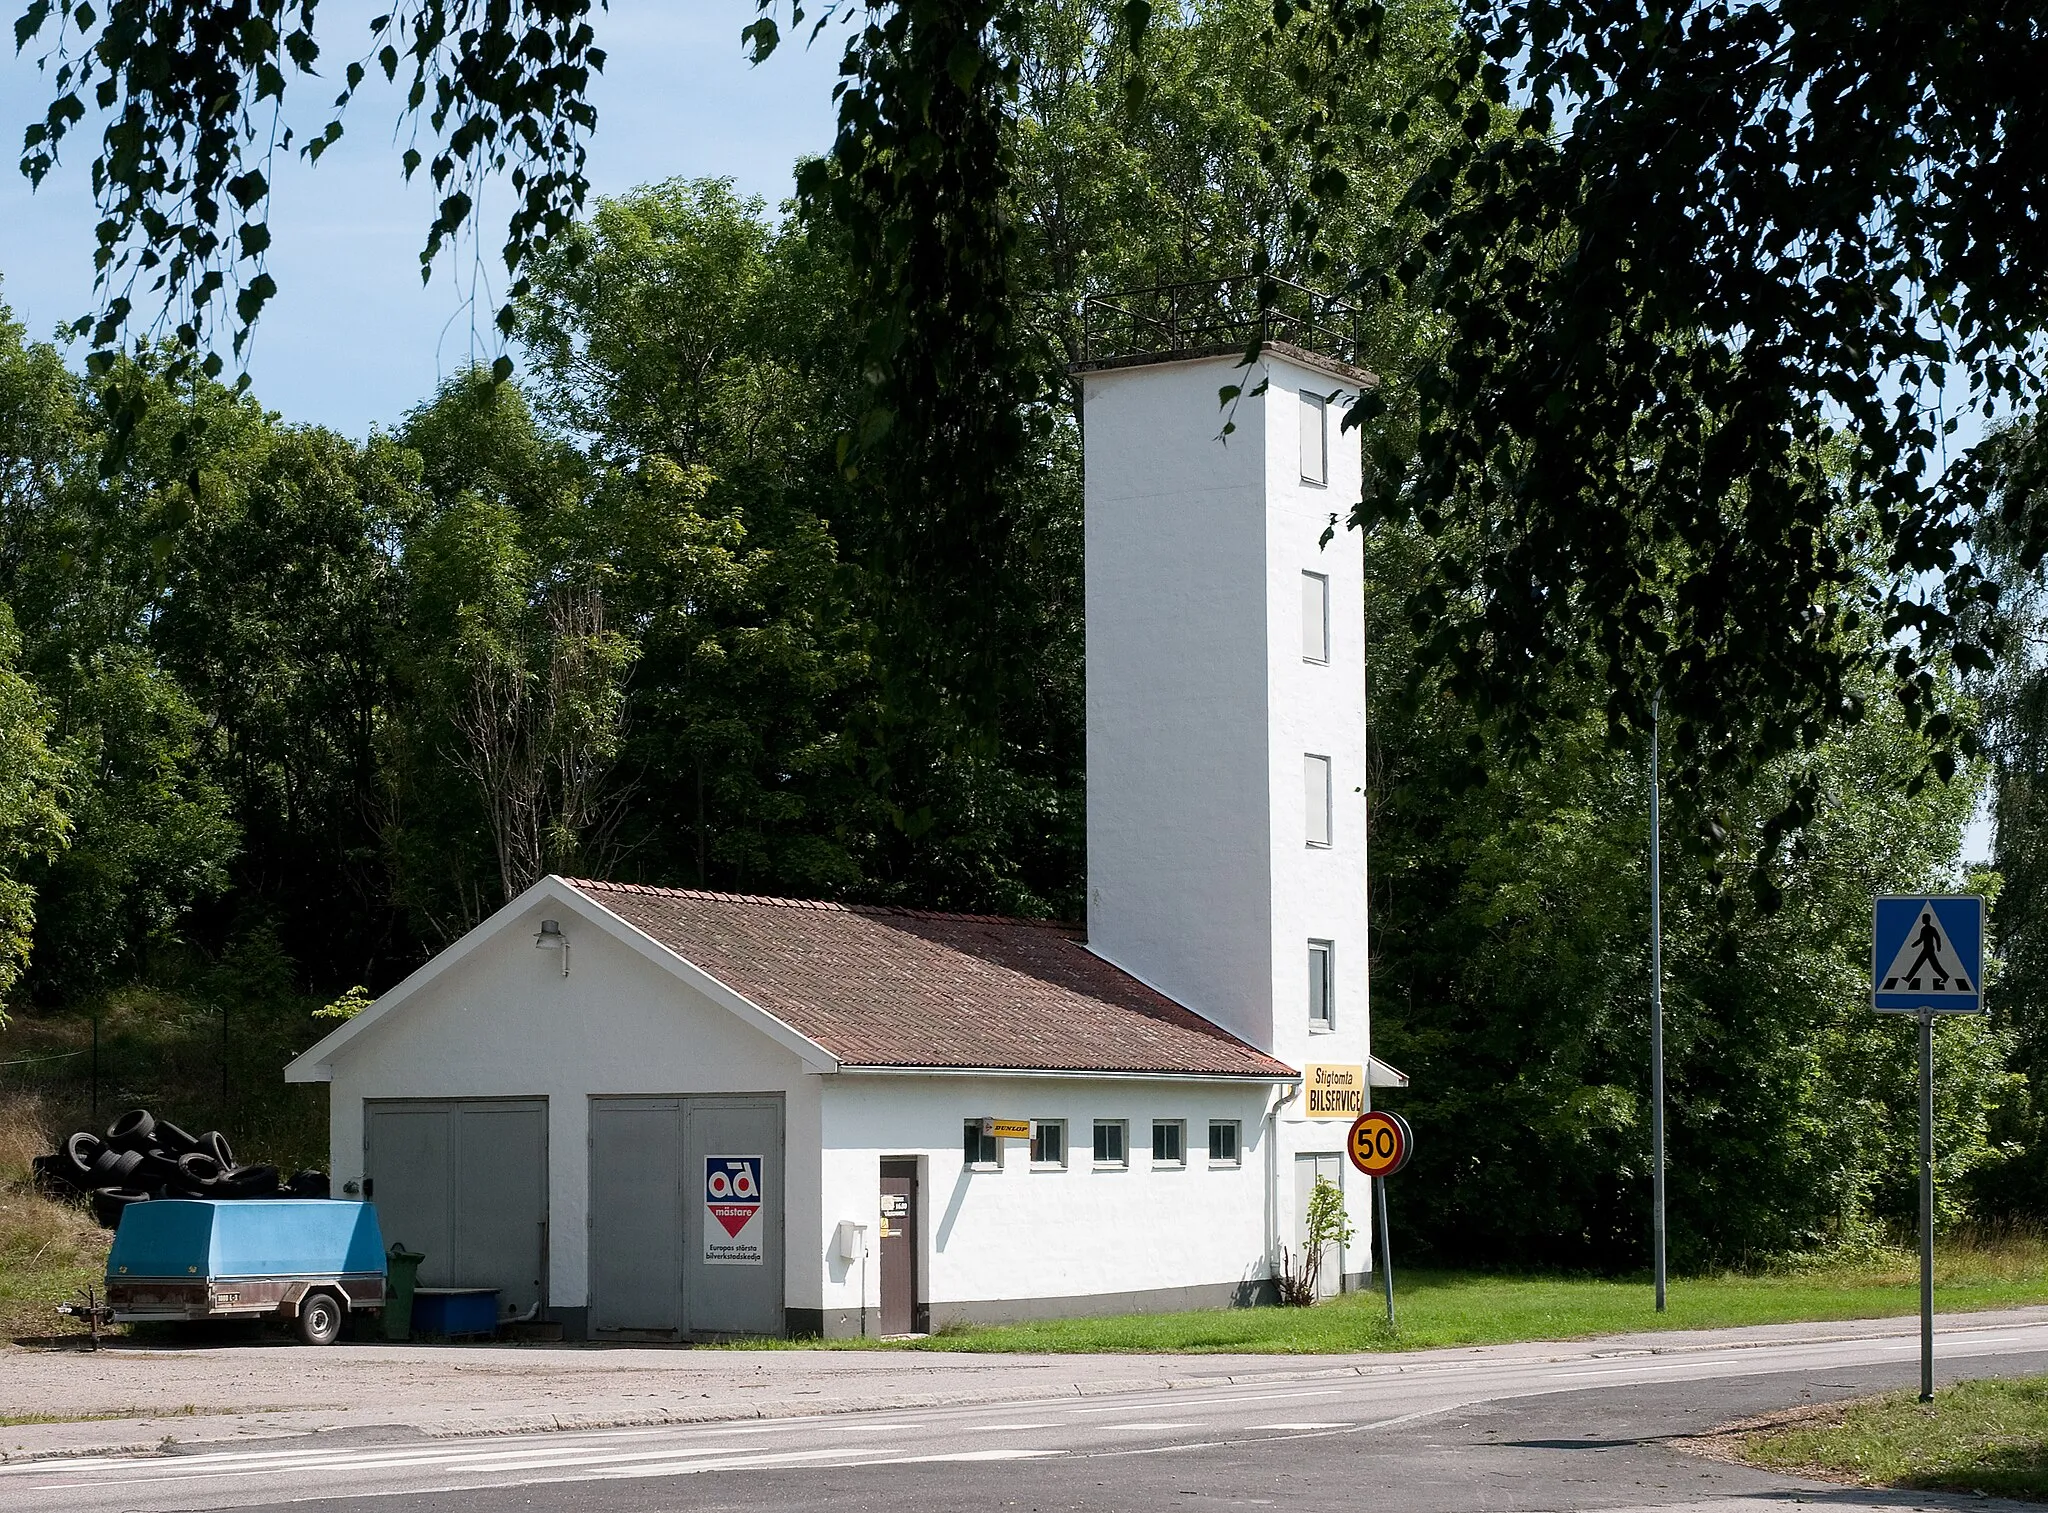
(353,339)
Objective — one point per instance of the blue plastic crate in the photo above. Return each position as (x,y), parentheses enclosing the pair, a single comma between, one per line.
(450,1311)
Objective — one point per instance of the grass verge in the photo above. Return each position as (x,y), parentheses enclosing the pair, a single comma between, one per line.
(1989,1438)
(1464,1308)
(48,1249)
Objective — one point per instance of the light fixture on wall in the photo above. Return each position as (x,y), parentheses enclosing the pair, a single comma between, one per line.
(551,938)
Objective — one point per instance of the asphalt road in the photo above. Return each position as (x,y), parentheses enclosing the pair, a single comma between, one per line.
(1450,1433)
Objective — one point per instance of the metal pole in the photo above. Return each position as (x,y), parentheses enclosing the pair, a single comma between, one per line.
(1656,1007)
(1927,1205)
(95,1071)
(1379,1187)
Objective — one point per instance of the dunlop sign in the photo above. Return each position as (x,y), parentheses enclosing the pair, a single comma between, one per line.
(1335,1090)
(1007,1129)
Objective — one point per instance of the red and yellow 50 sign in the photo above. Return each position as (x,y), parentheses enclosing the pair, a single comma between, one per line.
(1380,1143)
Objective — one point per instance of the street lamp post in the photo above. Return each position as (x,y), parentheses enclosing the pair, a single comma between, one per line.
(1656,1009)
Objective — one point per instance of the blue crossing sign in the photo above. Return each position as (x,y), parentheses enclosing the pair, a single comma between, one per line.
(1927,953)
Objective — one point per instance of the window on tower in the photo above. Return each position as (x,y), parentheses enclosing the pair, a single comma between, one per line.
(1315,772)
(1315,618)
(1315,412)
(1321,986)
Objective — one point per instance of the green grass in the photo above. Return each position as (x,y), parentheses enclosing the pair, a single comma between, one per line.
(1984,1437)
(1464,1308)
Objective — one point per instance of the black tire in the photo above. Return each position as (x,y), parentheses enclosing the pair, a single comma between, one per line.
(78,1153)
(173,1141)
(157,1170)
(53,1177)
(132,1131)
(320,1319)
(248,1182)
(122,1172)
(215,1144)
(310,1184)
(101,1172)
(199,1170)
(109,1202)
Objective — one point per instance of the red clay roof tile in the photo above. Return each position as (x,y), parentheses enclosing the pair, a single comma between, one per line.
(904,987)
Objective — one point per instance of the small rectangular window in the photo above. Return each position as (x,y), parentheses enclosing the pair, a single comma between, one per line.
(1315,618)
(978,1149)
(1223,1142)
(1169,1142)
(1321,1008)
(1048,1142)
(1314,443)
(1109,1142)
(1315,773)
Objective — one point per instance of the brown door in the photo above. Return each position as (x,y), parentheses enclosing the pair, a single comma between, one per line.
(900,1311)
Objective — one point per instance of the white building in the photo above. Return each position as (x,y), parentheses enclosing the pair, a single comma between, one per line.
(696,1114)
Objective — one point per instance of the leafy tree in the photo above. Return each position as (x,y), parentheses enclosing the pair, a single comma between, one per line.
(33,825)
(2015,697)
(1510,967)
(510,707)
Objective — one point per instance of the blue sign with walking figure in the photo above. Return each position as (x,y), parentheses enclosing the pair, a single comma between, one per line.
(1928,953)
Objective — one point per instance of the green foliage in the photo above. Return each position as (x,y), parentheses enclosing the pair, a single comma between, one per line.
(1677,261)
(2015,698)
(1510,908)
(33,825)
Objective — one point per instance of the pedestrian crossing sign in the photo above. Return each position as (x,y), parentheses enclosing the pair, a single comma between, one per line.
(1927,952)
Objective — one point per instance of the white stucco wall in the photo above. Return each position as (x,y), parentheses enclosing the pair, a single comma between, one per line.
(504,1022)
(1201,709)
(1179,821)
(501,1021)
(1023,1232)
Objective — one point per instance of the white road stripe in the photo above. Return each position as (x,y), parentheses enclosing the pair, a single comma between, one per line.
(1186,1399)
(1296,1427)
(501,1460)
(996,1428)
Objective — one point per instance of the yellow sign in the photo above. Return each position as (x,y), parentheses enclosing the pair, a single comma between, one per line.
(1335,1090)
(1007,1129)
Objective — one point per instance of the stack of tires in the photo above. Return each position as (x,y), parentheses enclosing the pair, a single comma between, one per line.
(143,1157)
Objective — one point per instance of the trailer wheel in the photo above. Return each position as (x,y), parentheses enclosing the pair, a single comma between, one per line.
(319,1320)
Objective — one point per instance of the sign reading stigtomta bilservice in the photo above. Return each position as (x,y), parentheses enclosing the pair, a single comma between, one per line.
(1333,1089)
(733,1225)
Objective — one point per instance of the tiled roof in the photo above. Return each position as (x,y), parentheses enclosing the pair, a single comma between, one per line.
(902,987)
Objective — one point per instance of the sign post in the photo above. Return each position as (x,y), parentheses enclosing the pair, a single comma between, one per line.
(1927,958)
(1379,1145)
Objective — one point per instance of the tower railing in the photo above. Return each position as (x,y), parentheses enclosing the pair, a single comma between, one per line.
(1208,316)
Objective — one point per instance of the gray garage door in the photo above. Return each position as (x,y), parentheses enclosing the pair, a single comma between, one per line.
(465,1183)
(686,1211)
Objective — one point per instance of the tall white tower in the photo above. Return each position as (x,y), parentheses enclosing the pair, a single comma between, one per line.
(1226,705)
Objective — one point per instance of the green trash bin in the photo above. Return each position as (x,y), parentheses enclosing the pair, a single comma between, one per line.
(401,1276)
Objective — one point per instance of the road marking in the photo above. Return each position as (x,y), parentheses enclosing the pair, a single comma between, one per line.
(851,1455)
(1147,1428)
(973,1455)
(482,1458)
(866,1428)
(1193,1400)
(1297,1427)
(996,1428)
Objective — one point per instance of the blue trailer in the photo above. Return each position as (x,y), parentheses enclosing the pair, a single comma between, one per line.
(304,1262)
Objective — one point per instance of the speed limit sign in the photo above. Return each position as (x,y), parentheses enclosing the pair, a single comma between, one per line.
(1380,1143)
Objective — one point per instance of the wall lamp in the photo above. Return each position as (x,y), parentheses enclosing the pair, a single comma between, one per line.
(551,938)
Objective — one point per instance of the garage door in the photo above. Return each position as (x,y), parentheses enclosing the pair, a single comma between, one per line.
(686,1212)
(464,1183)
